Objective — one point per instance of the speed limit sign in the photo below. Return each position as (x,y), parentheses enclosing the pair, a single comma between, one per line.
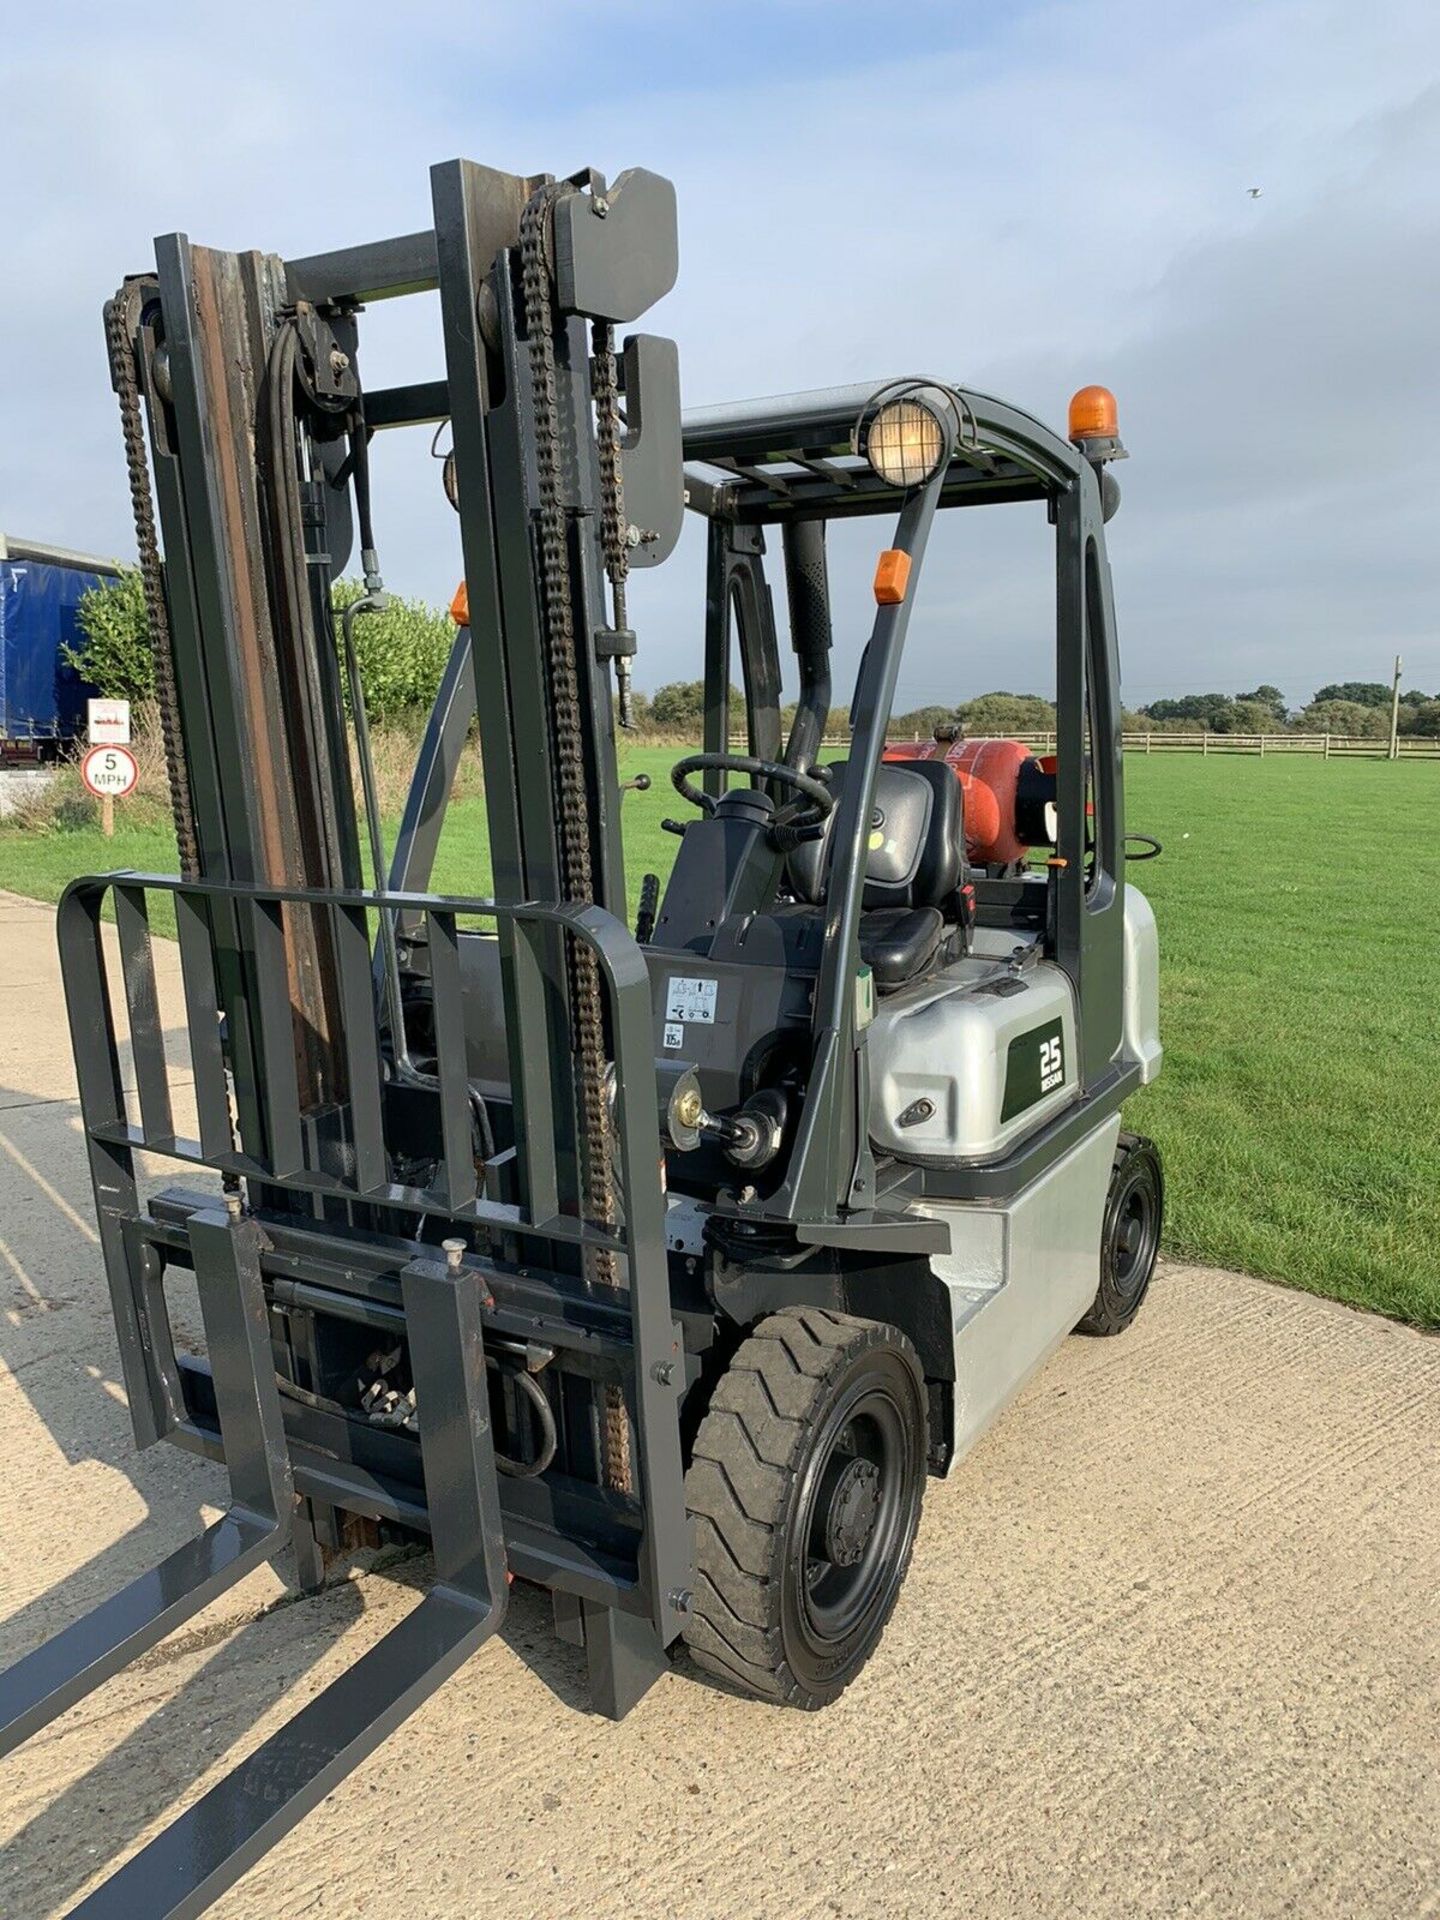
(109,771)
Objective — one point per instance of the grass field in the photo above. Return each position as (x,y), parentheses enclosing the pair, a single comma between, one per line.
(1299,911)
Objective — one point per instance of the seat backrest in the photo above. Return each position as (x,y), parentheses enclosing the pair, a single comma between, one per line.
(917,838)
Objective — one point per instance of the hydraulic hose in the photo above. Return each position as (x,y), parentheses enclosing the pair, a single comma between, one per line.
(374,600)
(807,589)
(360,472)
(545,1414)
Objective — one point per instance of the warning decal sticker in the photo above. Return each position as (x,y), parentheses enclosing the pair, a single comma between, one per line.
(690,1000)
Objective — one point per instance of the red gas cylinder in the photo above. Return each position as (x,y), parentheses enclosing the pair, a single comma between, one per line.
(1005,787)
(982,817)
(994,766)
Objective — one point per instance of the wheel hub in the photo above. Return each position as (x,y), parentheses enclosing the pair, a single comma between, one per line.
(1128,1240)
(854,1508)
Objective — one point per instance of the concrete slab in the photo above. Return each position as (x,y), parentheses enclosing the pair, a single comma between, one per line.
(1169,1645)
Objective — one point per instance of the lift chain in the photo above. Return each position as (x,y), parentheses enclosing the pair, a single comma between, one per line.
(122,324)
(614,533)
(571,809)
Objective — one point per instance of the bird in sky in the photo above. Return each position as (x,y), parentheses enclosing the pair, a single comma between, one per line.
(1254,192)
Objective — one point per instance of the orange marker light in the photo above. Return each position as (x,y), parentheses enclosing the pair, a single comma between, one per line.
(1094,415)
(460,606)
(892,576)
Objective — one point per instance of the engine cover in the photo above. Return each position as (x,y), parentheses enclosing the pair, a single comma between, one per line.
(965,1065)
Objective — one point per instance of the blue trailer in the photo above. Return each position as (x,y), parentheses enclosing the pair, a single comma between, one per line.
(42,696)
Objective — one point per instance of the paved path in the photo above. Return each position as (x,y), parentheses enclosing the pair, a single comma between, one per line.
(1170,1644)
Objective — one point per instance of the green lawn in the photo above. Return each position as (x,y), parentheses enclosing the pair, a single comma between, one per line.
(1299,1104)
(1299,910)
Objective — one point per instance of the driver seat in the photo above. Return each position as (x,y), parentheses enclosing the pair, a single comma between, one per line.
(914,873)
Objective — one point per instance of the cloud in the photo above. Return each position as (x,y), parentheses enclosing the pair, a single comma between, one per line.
(1024,197)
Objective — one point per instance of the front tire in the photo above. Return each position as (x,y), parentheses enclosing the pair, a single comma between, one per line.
(805,1488)
(1129,1236)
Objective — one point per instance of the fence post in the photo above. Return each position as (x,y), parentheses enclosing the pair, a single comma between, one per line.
(1147,743)
(1261,739)
(1327,746)
(1205,742)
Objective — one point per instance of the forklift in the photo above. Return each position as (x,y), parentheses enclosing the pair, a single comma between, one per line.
(654,1266)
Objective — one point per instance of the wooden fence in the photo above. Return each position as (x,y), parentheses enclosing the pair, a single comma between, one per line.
(1331,746)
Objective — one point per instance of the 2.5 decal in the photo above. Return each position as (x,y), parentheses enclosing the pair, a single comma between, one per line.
(1034,1067)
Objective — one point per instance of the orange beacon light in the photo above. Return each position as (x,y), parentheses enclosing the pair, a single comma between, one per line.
(1094,415)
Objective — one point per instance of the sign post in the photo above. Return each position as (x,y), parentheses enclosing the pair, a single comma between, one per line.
(108,772)
(108,726)
(1395,710)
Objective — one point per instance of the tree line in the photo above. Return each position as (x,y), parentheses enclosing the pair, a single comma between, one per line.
(1357,708)
(679,708)
(1360,708)
(403,651)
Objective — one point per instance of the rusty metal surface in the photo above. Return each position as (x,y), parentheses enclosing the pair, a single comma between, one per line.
(235,299)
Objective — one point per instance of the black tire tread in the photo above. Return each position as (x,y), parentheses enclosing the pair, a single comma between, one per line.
(747,1454)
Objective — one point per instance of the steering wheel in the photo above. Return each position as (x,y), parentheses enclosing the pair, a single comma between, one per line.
(796,818)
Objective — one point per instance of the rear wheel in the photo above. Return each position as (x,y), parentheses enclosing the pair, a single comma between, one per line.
(805,1487)
(1130,1236)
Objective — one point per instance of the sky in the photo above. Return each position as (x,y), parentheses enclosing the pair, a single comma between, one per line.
(1021,196)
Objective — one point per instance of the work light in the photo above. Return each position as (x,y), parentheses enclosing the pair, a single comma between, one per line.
(903,433)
